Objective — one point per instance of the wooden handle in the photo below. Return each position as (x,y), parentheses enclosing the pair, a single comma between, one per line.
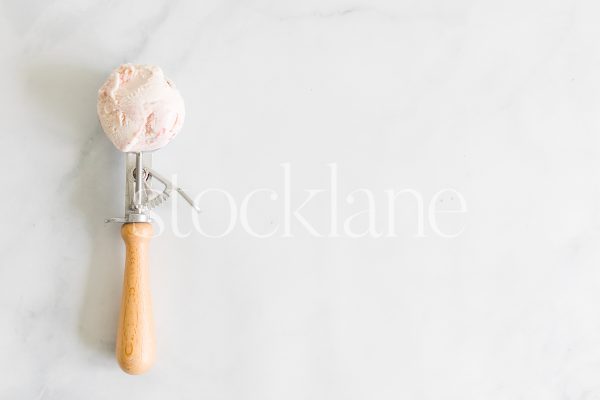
(136,346)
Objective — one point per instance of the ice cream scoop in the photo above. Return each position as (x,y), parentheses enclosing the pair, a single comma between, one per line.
(139,109)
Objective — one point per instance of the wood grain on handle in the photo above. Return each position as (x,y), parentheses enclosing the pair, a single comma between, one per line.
(135,336)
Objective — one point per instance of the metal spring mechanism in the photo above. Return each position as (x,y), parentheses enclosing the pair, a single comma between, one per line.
(160,198)
(140,197)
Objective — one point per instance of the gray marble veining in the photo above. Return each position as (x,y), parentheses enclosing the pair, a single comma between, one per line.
(498,100)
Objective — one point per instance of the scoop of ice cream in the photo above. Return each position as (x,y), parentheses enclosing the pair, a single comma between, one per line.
(139,109)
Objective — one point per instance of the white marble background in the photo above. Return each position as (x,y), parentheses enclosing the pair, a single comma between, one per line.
(498,99)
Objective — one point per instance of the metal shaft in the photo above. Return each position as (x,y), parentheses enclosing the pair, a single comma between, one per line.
(139,181)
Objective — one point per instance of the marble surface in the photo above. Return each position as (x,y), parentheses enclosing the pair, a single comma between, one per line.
(498,100)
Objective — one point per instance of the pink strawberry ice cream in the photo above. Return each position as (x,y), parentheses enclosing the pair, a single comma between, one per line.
(139,109)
